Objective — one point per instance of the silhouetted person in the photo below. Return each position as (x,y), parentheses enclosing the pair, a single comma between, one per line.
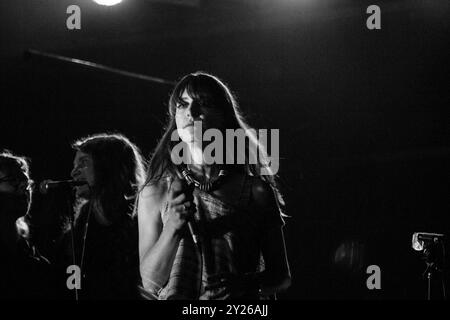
(24,273)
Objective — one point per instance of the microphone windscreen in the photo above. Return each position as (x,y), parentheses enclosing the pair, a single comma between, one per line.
(43,186)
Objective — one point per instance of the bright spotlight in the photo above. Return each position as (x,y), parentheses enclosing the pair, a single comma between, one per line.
(107,2)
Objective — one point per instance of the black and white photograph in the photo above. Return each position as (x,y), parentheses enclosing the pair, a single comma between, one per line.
(232,155)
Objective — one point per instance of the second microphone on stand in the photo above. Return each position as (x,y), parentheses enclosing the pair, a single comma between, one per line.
(48,184)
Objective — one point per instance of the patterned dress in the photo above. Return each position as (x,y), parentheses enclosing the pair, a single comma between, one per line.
(231,235)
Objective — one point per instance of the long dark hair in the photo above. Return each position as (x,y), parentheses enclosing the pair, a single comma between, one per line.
(118,169)
(18,167)
(209,90)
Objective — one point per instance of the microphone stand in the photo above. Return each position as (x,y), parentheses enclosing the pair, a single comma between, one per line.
(72,238)
(432,264)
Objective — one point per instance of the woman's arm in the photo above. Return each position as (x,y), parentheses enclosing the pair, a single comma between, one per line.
(158,243)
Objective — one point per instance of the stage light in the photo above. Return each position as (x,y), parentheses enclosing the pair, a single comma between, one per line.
(107,2)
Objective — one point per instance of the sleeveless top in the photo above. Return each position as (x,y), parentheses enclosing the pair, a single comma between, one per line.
(230,241)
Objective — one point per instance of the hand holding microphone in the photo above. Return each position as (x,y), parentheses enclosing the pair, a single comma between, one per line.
(182,207)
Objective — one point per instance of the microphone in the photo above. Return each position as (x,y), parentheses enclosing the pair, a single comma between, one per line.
(419,238)
(181,186)
(194,234)
(47,185)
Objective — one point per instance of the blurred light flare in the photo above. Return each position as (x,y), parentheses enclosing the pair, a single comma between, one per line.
(350,255)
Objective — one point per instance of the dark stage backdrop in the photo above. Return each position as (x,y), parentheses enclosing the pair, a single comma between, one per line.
(363,114)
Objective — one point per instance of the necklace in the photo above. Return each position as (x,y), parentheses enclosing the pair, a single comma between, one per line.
(204,186)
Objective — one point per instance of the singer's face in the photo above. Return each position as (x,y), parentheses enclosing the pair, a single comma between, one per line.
(83,170)
(191,110)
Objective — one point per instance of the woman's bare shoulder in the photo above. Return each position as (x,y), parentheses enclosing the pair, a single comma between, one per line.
(155,190)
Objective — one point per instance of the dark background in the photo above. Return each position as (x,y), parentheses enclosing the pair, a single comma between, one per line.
(362,113)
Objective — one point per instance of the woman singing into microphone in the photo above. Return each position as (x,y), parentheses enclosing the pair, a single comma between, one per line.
(103,238)
(234,209)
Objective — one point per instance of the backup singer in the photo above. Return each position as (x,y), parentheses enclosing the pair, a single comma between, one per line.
(25,274)
(105,232)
